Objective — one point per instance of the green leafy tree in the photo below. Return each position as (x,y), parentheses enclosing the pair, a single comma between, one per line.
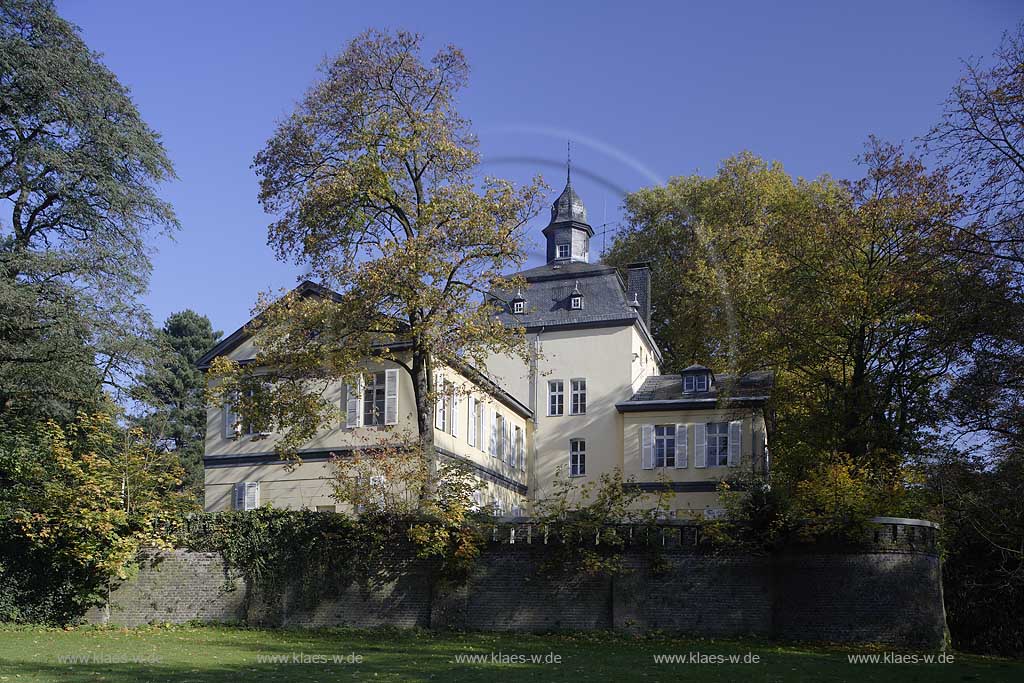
(174,389)
(77,504)
(78,169)
(373,179)
(858,294)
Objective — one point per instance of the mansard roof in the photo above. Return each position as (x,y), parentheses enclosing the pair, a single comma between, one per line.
(665,392)
(550,286)
(547,295)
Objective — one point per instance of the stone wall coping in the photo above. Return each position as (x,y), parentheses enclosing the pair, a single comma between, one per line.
(905,521)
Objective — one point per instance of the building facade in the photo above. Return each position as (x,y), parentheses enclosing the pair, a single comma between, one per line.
(591,399)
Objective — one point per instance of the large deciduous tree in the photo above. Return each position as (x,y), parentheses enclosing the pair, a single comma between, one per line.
(858,294)
(372,179)
(78,169)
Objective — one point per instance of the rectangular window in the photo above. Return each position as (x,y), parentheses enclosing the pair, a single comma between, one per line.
(578,405)
(556,397)
(325,508)
(374,397)
(718,444)
(688,383)
(519,307)
(562,251)
(499,439)
(247,495)
(577,457)
(664,445)
(701,382)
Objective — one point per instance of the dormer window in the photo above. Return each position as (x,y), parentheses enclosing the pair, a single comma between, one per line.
(518,307)
(562,251)
(694,383)
(576,298)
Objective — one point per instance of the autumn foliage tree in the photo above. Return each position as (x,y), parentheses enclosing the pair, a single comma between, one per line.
(372,182)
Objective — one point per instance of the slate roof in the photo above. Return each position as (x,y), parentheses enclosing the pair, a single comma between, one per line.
(666,391)
(548,291)
(568,207)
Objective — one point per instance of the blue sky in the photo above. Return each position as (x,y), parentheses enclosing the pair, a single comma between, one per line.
(646,90)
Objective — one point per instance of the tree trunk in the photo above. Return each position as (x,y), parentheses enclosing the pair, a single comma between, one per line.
(422,383)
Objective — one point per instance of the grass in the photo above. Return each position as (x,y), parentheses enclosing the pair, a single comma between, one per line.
(208,654)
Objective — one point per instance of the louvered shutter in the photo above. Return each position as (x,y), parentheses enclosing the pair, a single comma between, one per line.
(681,446)
(647,447)
(522,449)
(700,445)
(456,410)
(735,429)
(252,495)
(391,396)
(471,421)
(438,400)
(240,496)
(354,404)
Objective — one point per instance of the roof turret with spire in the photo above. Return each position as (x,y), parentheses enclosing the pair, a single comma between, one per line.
(568,233)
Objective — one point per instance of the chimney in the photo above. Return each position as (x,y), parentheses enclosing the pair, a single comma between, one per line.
(638,287)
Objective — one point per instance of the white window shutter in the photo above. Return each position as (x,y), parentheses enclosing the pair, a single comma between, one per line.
(354,404)
(228,416)
(522,449)
(471,421)
(493,421)
(252,495)
(439,402)
(647,447)
(700,445)
(681,445)
(456,408)
(391,396)
(735,429)
(240,496)
(507,440)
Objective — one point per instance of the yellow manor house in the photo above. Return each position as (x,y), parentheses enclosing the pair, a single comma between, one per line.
(592,399)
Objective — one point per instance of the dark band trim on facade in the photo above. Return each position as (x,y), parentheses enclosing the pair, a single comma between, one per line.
(484,472)
(690,404)
(675,486)
(487,473)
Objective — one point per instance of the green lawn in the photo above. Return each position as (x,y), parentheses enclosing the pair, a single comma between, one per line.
(209,653)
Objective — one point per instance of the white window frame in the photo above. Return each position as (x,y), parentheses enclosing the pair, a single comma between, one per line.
(578,396)
(717,434)
(378,417)
(247,495)
(577,457)
(560,247)
(701,382)
(556,390)
(518,307)
(665,442)
(576,302)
